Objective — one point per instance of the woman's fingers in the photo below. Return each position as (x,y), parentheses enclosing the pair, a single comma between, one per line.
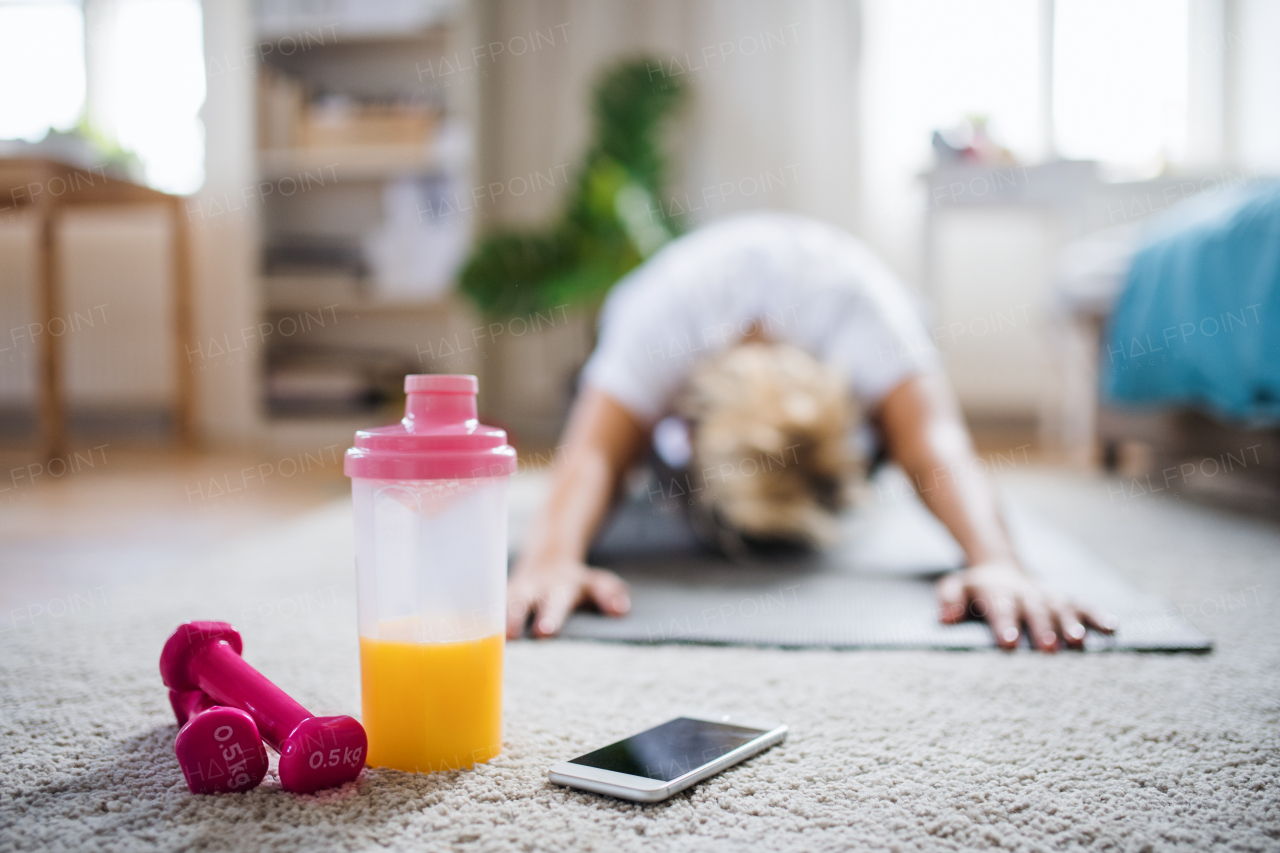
(552,595)
(1100,621)
(1070,628)
(520,599)
(1001,615)
(609,592)
(1039,624)
(952,600)
(555,608)
(1006,599)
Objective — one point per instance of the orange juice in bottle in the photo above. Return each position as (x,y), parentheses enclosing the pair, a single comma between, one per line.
(432,706)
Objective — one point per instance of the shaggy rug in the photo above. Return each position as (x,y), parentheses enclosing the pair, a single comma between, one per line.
(909,750)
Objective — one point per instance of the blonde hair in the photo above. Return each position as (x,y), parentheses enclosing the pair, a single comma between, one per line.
(771,437)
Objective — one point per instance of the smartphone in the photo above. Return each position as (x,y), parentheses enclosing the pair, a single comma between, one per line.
(661,761)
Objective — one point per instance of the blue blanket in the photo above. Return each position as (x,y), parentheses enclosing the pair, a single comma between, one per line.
(1198,323)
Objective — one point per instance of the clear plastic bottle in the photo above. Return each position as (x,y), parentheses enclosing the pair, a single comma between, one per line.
(430,497)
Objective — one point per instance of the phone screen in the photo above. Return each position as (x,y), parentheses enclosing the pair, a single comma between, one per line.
(669,751)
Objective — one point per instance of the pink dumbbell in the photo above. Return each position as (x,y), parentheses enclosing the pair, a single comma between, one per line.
(218,748)
(187,703)
(315,752)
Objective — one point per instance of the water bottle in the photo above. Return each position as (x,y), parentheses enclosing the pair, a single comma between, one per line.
(430,499)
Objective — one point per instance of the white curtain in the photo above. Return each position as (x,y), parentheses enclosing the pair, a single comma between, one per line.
(770,121)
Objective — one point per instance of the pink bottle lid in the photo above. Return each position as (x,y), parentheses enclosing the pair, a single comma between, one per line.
(439,438)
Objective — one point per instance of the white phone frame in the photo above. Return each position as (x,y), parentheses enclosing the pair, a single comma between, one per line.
(642,789)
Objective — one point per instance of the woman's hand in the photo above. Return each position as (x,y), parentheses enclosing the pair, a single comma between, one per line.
(552,588)
(1002,594)
(551,579)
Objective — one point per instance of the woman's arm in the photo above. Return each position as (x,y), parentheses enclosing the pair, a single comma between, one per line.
(926,436)
(551,577)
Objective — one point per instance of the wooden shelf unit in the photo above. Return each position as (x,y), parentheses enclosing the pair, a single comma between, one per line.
(355,65)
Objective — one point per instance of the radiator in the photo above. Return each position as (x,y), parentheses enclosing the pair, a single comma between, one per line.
(115,325)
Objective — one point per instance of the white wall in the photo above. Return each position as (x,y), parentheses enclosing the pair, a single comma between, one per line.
(1253,48)
(225,245)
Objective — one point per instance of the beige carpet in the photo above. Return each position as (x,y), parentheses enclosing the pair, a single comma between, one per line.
(888,750)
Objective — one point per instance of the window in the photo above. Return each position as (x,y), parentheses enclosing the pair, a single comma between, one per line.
(1120,82)
(157,88)
(146,59)
(929,64)
(1119,92)
(42,66)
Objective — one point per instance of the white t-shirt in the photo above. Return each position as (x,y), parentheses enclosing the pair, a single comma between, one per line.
(800,281)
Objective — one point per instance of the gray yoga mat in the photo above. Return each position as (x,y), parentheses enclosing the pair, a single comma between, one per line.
(874,592)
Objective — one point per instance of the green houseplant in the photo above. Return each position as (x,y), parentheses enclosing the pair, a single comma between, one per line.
(611,221)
